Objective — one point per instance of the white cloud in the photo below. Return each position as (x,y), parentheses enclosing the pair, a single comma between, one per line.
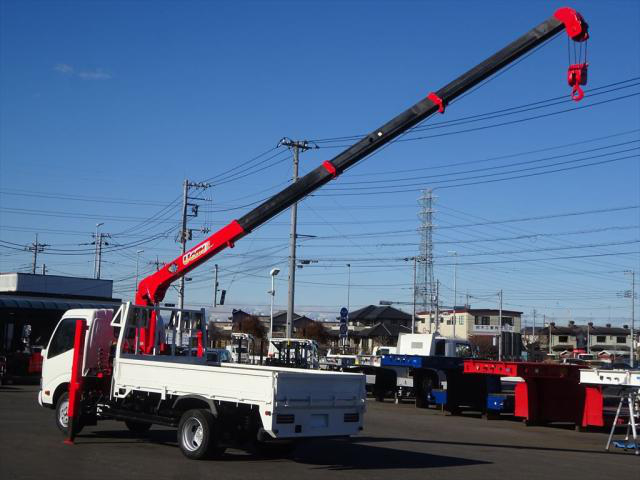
(96,74)
(64,69)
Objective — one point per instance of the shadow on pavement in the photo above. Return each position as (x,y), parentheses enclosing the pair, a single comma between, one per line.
(329,454)
(336,454)
(161,437)
(471,444)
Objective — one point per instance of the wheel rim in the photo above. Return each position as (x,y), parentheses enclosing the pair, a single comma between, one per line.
(63,414)
(192,434)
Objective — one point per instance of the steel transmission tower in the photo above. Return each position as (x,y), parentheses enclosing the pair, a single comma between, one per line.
(425,283)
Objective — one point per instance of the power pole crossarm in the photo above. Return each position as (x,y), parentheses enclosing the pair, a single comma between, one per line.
(184,232)
(36,247)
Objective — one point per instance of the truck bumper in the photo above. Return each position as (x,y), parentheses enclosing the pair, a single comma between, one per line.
(301,423)
(40,398)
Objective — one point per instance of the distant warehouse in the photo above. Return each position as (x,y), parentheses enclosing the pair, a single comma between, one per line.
(31,305)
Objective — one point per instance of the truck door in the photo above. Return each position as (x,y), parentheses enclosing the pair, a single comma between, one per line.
(56,366)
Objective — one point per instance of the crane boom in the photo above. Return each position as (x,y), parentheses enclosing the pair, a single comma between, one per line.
(152,289)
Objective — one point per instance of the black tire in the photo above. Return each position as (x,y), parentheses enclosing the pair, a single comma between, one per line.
(198,436)
(378,393)
(425,385)
(62,420)
(139,428)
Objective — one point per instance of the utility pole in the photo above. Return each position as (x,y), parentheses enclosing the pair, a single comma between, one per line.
(186,234)
(157,264)
(296,146)
(544,321)
(36,248)
(500,329)
(437,304)
(135,286)
(99,241)
(215,287)
(632,354)
(349,287)
(44,269)
(533,331)
(95,242)
(455,278)
(413,317)
(455,289)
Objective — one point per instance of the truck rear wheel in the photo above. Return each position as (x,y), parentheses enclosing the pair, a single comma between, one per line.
(62,415)
(198,436)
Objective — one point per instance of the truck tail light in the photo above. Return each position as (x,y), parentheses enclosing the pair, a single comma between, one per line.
(351,417)
(285,418)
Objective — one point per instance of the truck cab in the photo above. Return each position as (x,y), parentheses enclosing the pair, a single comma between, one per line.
(57,358)
(432,345)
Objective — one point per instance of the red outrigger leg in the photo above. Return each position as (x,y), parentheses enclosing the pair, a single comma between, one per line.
(75,385)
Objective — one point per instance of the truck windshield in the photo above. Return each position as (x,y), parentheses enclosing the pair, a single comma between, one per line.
(463,350)
(62,340)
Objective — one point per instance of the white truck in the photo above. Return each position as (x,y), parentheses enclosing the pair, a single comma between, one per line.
(213,405)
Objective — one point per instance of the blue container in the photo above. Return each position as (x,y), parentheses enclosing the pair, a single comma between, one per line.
(438,396)
(500,402)
(414,361)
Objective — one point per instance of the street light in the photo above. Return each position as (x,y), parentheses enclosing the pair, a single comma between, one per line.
(272,292)
(135,286)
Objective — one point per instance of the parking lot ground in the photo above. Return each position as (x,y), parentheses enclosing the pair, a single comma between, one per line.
(399,441)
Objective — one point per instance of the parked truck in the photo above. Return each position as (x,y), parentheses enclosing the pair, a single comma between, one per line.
(214,405)
(419,363)
(145,365)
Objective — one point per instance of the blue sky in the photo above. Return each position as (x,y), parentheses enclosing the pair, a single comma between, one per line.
(106,107)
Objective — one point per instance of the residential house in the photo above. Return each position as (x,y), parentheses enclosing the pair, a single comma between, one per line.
(607,341)
(373,326)
(475,325)
(556,339)
(615,341)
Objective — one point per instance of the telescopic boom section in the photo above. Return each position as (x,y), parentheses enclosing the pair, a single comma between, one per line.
(153,288)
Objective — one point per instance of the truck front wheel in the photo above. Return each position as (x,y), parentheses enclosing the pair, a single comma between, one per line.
(197,435)
(62,415)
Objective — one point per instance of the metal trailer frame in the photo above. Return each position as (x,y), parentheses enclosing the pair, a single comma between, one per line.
(440,381)
(549,392)
(629,383)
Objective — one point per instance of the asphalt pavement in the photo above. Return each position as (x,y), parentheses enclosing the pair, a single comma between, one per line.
(399,441)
